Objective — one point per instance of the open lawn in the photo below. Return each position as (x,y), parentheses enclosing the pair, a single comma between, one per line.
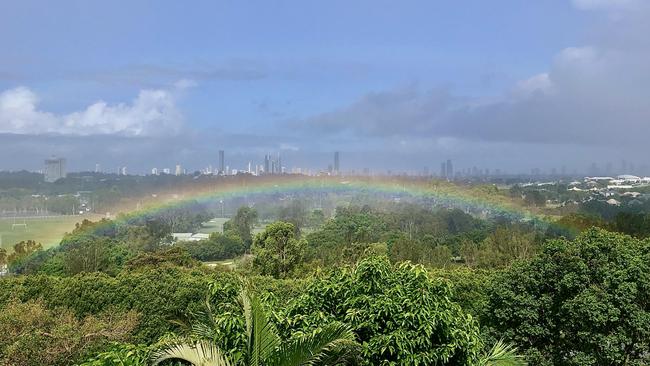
(45,230)
(214,225)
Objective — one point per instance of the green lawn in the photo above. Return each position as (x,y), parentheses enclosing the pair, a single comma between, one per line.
(214,225)
(47,231)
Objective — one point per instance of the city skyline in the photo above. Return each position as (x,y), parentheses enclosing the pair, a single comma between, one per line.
(171,85)
(56,167)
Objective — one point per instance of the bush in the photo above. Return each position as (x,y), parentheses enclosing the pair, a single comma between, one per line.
(31,334)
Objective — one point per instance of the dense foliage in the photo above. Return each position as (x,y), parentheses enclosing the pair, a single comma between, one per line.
(581,302)
(31,334)
(399,313)
(415,282)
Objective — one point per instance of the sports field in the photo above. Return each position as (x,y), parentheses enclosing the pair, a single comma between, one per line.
(214,225)
(45,230)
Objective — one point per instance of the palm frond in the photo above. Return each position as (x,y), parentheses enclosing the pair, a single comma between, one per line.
(503,354)
(198,354)
(332,345)
(262,335)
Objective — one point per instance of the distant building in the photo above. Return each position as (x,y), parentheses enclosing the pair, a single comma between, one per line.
(189,237)
(449,169)
(222,162)
(154,171)
(179,170)
(54,169)
(267,164)
(336,162)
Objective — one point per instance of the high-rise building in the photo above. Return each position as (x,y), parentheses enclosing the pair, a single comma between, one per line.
(336,162)
(449,169)
(97,168)
(154,171)
(54,169)
(222,163)
(123,170)
(179,170)
(267,164)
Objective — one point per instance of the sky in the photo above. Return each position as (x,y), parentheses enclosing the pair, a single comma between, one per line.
(505,84)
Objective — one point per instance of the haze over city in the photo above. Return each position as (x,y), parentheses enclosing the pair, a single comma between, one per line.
(510,85)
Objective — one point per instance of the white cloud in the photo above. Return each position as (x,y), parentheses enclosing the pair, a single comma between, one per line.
(152,112)
(537,84)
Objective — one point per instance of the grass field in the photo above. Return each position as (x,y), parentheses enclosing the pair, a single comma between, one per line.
(47,231)
(214,225)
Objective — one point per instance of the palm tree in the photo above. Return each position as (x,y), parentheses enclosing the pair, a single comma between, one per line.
(334,344)
(502,354)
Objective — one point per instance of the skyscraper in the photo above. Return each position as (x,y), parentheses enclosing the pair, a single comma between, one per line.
(179,170)
(54,169)
(267,164)
(336,162)
(222,163)
(449,169)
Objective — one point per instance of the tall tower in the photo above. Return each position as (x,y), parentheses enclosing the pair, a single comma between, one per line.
(222,163)
(336,162)
(449,169)
(179,170)
(267,164)
(54,169)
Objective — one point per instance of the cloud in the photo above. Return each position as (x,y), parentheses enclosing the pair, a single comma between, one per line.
(594,94)
(404,111)
(151,113)
(540,83)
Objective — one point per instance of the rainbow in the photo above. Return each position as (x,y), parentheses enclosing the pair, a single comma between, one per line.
(474,199)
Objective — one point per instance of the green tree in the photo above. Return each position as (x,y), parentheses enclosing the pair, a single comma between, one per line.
(331,345)
(580,302)
(503,246)
(218,247)
(23,249)
(277,251)
(242,224)
(119,354)
(3,256)
(296,213)
(400,315)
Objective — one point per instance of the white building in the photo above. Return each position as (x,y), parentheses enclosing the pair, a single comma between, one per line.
(54,169)
(190,236)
